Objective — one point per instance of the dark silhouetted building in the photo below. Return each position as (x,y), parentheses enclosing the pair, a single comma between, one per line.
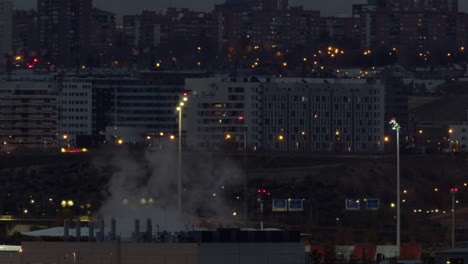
(179,38)
(25,32)
(6,10)
(103,38)
(64,31)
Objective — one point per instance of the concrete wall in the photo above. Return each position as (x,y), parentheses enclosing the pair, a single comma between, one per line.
(108,253)
(165,253)
(252,253)
(9,257)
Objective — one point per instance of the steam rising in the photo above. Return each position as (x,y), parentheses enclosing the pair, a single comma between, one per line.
(144,185)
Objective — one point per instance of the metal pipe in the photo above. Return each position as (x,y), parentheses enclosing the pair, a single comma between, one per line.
(149,230)
(137,230)
(66,229)
(113,233)
(78,230)
(90,231)
(157,234)
(101,230)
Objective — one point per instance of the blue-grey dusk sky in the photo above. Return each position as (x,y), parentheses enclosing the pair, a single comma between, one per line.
(123,7)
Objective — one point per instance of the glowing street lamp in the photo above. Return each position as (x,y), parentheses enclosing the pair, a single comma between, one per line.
(453,191)
(397,127)
(179,167)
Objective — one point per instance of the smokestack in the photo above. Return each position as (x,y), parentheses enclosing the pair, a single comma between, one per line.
(66,229)
(137,230)
(77,230)
(91,231)
(113,229)
(149,230)
(101,230)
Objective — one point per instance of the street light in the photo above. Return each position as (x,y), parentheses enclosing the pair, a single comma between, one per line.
(453,191)
(179,167)
(245,175)
(396,127)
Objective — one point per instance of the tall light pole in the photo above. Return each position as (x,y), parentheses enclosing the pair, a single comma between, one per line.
(453,191)
(245,175)
(179,160)
(396,127)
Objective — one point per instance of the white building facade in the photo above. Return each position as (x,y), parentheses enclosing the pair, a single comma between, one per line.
(317,115)
(75,111)
(286,114)
(28,116)
(221,112)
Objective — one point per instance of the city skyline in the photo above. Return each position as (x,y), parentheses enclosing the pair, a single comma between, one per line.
(121,7)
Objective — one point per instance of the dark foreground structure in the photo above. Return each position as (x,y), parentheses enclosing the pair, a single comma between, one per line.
(231,245)
(168,253)
(452,256)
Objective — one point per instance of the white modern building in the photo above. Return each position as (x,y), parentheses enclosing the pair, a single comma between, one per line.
(323,115)
(221,111)
(75,111)
(6,28)
(286,114)
(28,116)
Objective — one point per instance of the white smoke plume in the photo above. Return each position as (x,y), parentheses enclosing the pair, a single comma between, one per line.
(144,185)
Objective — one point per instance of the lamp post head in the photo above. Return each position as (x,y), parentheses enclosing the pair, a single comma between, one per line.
(394,124)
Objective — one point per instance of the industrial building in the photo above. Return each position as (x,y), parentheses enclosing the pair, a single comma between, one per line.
(228,245)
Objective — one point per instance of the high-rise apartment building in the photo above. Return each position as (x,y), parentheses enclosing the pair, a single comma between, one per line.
(316,115)
(223,111)
(74,110)
(25,33)
(242,28)
(103,38)
(286,114)
(6,13)
(413,32)
(175,39)
(28,116)
(64,31)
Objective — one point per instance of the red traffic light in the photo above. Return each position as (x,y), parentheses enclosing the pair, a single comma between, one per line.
(261,191)
(241,118)
(35,60)
(454,190)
